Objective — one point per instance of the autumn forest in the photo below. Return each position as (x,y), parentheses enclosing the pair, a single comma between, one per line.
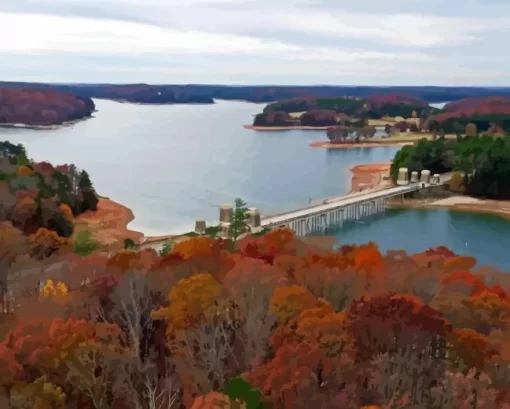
(268,321)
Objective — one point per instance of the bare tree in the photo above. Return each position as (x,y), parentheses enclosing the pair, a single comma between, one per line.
(203,351)
(144,382)
(253,322)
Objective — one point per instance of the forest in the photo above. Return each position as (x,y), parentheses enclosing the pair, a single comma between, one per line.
(350,110)
(267,322)
(42,107)
(39,199)
(482,159)
(271,321)
(485,113)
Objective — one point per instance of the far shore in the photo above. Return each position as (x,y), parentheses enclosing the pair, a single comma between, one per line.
(286,128)
(366,144)
(45,127)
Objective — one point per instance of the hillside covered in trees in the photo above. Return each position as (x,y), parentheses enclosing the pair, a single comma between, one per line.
(483,112)
(40,200)
(42,107)
(484,160)
(206,93)
(267,322)
(347,110)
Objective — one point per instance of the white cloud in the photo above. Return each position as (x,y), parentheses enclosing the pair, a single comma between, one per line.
(42,33)
(260,41)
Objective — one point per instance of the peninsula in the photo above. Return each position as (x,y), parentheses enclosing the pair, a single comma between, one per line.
(41,109)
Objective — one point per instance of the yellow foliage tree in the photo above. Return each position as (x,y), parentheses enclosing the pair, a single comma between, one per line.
(288,302)
(192,300)
(50,289)
(25,171)
(194,247)
(457,183)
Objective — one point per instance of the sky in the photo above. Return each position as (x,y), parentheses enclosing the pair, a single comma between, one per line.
(257,42)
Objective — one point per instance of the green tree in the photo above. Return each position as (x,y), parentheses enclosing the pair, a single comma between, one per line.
(84,182)
(239,219)
(129,244)
(239,389)
(84,244)
(167,248)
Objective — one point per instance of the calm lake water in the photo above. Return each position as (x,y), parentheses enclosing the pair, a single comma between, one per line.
(173,164)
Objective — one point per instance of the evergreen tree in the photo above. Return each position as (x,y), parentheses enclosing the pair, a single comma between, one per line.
(239,219)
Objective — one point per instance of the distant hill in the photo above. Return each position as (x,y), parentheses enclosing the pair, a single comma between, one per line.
(196,93)
(42,107)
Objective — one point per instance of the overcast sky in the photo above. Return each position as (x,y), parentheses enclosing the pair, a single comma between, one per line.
(366,42)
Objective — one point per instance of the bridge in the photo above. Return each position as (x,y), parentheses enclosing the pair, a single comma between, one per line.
(333,213)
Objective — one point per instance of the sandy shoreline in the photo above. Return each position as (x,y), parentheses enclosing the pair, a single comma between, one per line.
(351,145)
(45,127)
(108,225)
(460,203)
(286,128)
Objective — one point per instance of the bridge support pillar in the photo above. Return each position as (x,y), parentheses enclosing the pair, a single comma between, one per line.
(226,213)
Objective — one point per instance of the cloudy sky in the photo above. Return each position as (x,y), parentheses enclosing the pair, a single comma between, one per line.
(368,42)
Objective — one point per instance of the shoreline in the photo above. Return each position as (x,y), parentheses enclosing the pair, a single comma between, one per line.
(46,127)
(460,203)
(286,128)
(109,225)
(351,145)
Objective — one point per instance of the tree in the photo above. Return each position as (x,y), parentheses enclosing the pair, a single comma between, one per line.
(128,243)
(192,301)
(45,242)
(84,244)
(239,219)
(239,389)
(456,183)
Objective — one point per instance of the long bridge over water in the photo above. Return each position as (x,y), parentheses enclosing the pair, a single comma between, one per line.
(334,212)
(330,213)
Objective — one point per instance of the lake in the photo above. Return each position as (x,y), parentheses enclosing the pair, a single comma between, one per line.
(173,164)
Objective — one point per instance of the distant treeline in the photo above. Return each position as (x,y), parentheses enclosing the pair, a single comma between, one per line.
(206,93)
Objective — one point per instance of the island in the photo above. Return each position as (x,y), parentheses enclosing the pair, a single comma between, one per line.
(346,119)
(42,108)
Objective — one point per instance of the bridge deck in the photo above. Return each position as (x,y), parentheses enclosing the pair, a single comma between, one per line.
(345,202)
(348,201)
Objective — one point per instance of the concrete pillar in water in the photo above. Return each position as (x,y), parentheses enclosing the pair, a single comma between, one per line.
(200,226)
(226,213)
(225,230)
(425,176)
(253,218)
(403,177)
(436,179)
(414,177)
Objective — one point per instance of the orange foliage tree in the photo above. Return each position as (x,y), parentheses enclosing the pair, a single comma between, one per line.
(44,243)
